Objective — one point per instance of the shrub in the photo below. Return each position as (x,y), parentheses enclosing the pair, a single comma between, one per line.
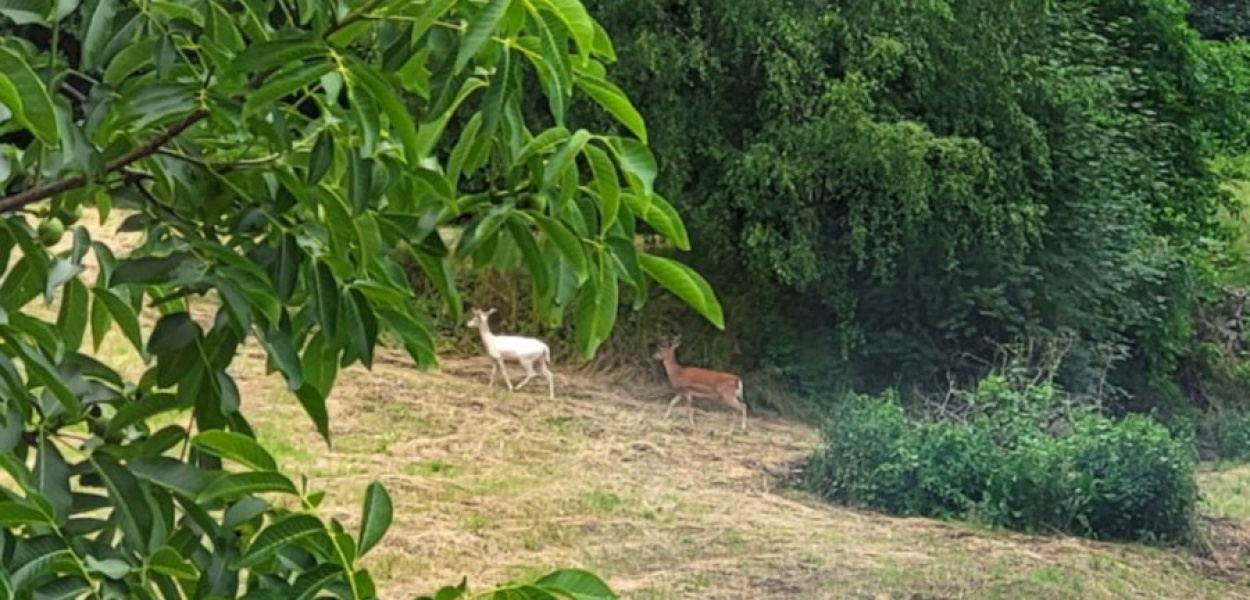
(1123,479)
(1232,436)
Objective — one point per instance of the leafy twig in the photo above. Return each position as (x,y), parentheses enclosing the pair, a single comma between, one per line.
(35,194)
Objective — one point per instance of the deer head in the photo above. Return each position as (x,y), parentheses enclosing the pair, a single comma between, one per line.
(667,348)
(480,317)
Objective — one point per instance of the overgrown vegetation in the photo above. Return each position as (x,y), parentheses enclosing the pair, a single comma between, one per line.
(279,157)
(891,189)
(1018,458)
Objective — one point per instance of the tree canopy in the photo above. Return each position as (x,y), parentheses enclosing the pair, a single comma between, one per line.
(907,185)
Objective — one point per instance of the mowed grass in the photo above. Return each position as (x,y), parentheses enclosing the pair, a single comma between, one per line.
(496,486)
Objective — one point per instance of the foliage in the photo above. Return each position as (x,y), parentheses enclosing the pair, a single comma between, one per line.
(1232,435)
(890,185)
(279,158)
(1022,461)
(1221,19)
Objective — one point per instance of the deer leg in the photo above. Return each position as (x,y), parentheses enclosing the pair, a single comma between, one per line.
(529,373)
(690,409)
(494,368)
(671,404)
(504,369)
(551,380)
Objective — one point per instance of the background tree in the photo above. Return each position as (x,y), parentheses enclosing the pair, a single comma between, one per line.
(280,158)
(906,186)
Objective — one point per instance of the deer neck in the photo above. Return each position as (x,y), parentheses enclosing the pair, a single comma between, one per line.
(671,367)
(488,338)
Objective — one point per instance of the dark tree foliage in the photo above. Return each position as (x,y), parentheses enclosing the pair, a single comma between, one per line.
(1221,19)
(890,187)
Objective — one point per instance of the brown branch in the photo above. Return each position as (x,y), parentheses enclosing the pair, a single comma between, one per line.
(35,194)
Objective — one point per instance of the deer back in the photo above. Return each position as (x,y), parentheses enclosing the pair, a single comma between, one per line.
(702,381)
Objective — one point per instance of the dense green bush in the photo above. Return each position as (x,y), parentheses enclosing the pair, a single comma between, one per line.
(894,187)
(1021,461)
(1232,436)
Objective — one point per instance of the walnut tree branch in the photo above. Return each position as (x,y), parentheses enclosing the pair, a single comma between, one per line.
(35,194)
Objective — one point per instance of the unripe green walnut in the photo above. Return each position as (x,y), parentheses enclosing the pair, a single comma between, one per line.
(71,216)
(50,231)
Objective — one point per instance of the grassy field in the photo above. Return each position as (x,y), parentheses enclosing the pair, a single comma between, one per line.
(494,486)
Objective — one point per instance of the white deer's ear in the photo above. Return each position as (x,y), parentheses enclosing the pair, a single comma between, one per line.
(489,311)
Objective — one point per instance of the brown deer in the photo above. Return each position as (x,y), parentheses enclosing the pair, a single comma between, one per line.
(689,382)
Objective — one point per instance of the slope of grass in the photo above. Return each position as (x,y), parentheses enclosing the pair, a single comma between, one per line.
(495,485)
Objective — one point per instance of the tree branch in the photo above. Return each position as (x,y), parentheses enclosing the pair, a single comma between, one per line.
(35,194)
(29,196)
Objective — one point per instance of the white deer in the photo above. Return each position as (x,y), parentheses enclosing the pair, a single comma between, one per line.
(689,382)
(525,350)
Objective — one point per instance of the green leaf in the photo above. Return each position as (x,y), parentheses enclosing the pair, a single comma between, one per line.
(542,143)
(167,561)
(26,12)
(359,332)
(27,98)
(13,515)
(553,68)
(61,272)
(72,317)
(430,13)
(321,158)
(282,350)
(38,367)
(277,536)
(156,270)
(597,308)
(139,409)
(99,32)
(567,244)
(539,270)
(636,160)
(314,403)
(580,25)
(101,322)
(70,587)
(392,104)
(686,284)
(130,505)
(284,84)
(237,447)
(577,584)
(607,184)
(415,336)
(51,476)
(661,216)
(272,54)
(171,473)
(603,44)
(309,583)
(481,26)
(614,100)
(123,315)
(375,518)
(242,484)
(111,568)
(564,157)
(326,287)
(173,332)
(130,59)
(431,131)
